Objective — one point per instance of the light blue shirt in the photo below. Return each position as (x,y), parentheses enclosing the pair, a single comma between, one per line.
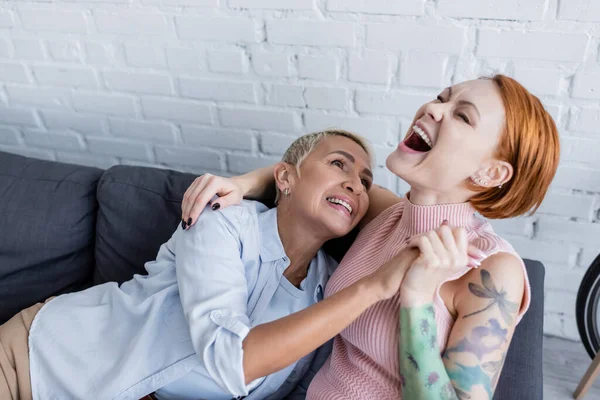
(180,327)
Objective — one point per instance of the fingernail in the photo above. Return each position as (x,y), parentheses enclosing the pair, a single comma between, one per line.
(445,222)
(189,221)
(183,225)
(216,206)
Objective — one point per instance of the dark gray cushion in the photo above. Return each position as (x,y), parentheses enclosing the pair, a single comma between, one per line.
(47,223)
(522,377)
(139,210)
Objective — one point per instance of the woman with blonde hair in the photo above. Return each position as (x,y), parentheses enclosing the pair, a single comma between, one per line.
(485,146)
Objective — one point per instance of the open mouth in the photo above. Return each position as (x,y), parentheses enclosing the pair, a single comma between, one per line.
(418,140)
(340,205)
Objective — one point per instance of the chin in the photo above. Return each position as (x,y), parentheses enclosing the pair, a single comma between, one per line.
(394,164)
(339,230)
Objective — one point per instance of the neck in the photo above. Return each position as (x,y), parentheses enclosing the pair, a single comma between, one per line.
(300,242)
(420,218)
(427,197)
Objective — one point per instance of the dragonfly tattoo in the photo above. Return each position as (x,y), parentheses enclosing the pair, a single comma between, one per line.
(489,291)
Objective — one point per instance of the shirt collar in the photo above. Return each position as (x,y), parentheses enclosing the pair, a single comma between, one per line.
(271,248)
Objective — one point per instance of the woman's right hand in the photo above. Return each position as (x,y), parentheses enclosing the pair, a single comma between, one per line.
(387,279)
(202,190)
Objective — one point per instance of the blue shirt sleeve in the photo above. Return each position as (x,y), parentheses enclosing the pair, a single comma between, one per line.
(214,294)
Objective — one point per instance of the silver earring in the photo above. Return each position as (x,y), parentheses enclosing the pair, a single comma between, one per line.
(500,186)
(286,192)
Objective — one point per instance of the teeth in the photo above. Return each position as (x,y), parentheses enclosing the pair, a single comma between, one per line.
(340,202)
(423,135)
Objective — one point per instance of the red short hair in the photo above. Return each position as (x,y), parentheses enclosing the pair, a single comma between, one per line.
(530,143)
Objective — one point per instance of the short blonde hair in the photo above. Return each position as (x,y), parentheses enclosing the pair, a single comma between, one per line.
(304,145)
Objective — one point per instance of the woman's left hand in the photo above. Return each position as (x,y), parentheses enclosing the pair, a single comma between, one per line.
(443,253)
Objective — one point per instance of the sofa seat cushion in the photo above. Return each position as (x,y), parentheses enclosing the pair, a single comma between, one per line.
(47,225)
(140,209)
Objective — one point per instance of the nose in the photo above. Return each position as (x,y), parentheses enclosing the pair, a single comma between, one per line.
(435,111)
(354,185)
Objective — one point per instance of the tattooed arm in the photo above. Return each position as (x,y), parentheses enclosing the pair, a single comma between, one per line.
(487,302)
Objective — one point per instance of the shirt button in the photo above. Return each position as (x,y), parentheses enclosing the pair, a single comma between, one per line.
(319,293)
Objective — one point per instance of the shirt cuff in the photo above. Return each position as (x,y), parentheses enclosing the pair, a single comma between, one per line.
(228,320)
(228,354)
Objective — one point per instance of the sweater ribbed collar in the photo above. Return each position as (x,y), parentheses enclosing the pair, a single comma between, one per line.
(418,219)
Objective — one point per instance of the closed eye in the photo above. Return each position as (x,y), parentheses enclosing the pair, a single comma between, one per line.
(464,118)
(440,99)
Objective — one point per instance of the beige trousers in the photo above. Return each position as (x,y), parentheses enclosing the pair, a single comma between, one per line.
(14,355)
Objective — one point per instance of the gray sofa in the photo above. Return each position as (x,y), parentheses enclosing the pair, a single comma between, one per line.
(64,228)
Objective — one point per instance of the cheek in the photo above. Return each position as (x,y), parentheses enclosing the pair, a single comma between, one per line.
(364,205)
(478,150)
(458,143)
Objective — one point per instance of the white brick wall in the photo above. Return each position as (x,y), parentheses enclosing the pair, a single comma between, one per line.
(225,86)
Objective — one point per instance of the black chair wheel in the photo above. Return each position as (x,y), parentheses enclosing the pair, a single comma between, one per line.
(587,309)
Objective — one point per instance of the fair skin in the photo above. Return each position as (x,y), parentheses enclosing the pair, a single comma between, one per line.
(463,125)
(337,168)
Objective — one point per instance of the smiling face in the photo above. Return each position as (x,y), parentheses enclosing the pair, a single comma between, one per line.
(330,191)
(452,139)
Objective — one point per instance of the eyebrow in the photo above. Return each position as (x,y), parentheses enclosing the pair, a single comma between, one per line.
(350,157)
(463,102)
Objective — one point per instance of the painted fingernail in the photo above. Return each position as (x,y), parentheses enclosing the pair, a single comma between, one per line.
(189,221)
(216,206)
(183,225)
(445,222)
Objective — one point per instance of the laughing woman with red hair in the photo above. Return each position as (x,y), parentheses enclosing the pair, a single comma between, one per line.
(485,146)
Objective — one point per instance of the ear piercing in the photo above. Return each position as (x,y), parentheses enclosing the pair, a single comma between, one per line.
(286,192)
(483,182)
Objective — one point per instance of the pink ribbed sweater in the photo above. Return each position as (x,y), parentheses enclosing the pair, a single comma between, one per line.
(364,363)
